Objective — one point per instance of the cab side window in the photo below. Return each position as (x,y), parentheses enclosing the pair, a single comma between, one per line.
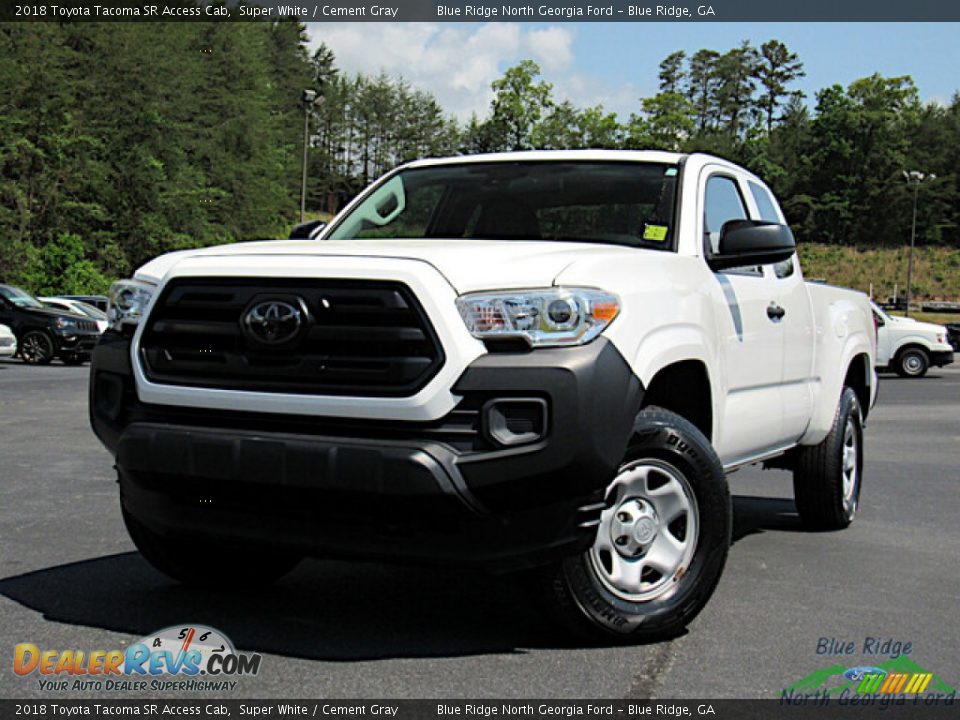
(722,203)
(768,212)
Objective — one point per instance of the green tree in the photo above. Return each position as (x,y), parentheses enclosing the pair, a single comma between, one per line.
(735,73)
(776,68)
(703,86)
(519,102)
(667,123)
(672,74)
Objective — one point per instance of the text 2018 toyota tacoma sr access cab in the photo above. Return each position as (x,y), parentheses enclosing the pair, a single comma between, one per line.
(544,360)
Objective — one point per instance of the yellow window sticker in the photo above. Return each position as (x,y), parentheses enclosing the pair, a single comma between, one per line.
(657,233)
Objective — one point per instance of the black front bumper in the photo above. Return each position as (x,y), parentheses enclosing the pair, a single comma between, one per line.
(76,343)
(941,358)
(423,492)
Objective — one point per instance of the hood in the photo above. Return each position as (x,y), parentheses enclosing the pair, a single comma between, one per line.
(468,265)
(53,313)
(904,325)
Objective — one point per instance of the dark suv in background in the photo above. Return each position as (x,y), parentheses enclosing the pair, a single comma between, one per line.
(44,333)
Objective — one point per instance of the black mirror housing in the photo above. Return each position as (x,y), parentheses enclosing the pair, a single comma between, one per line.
(752,242)
(308,230)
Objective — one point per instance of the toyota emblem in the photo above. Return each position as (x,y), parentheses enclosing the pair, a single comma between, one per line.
(273,322)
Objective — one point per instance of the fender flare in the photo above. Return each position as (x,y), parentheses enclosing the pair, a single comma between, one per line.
(671,344)
(831,386)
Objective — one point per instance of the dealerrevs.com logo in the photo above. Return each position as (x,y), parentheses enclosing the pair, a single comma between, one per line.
(181,657)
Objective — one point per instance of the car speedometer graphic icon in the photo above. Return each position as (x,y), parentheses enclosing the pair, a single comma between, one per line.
(186,648)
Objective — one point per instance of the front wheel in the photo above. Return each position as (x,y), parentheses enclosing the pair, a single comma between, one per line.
(662,540)
(36,348)
(827,477)
(208,566)
(913,363)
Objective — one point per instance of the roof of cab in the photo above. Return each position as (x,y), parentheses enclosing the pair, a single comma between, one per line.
(555,155)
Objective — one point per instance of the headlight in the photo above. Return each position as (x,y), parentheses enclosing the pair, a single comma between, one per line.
(544,318)
(62,323)
(128,302)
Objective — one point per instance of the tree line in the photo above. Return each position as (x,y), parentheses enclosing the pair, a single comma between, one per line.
(122,141)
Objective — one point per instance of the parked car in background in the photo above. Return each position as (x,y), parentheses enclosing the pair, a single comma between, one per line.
(8,342)
(909,347)
(44,333)
(78,307)
(98,301)
(953,335)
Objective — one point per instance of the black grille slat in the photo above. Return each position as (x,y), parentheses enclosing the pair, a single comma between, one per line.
(362,338)
(197,327)
(372,333)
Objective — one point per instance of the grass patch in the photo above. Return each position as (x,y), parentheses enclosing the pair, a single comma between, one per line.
(936,270)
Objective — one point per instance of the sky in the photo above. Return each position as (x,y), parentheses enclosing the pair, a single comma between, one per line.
(615,64)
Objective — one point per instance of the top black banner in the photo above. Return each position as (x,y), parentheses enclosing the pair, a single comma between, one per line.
(553,11)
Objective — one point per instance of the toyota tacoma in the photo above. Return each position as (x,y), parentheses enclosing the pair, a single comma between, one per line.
(543,361)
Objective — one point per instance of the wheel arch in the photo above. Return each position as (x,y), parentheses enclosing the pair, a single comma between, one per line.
(859,377)
(683,387)
(911,345)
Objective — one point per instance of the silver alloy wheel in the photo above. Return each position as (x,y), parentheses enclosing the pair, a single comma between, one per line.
(913,363)
(648,534)
(850,467)
(36,348)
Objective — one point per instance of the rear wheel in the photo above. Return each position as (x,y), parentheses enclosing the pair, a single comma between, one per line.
(913,362)
(827,477)
(661,543)
(224,566)
(36,348)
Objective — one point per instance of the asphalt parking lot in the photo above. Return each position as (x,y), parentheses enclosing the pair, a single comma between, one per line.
(70,578)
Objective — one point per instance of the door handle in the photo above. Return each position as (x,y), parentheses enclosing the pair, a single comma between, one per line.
(775,312)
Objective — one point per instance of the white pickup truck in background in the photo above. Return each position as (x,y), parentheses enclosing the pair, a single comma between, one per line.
(908,347)
(545,361)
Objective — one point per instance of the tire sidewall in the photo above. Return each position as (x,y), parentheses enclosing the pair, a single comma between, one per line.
(850,406)
(691,455)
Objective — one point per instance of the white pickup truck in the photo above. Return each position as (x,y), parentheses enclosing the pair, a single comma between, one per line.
(545,361)
(908,347)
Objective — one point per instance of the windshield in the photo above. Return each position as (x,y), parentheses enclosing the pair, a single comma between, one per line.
(19,298)
(620,203)
(879,311)
(90,311)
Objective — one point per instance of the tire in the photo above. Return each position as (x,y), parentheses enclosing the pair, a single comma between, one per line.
(913,363)
(37,348)
(827,477)
(74,359)
(212,567)
(612,592)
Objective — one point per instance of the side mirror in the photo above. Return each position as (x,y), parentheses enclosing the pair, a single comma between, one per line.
(752,242)
(308,230)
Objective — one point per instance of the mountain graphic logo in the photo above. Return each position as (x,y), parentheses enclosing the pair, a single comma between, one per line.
(895,676)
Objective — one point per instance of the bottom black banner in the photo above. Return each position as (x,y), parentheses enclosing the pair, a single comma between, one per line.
(794,707)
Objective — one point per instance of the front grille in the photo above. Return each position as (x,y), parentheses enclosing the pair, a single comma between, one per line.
(355,337)
(86,325)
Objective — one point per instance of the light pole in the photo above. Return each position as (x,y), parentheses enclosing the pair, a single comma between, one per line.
(308,98)
(916,178)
